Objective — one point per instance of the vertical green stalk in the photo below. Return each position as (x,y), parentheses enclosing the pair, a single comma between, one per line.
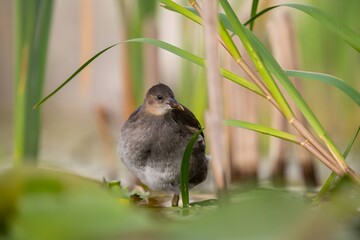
(144,9)
(254,7)
(333,176)
(185,166)
(32,26)
(264,72)
(136,57)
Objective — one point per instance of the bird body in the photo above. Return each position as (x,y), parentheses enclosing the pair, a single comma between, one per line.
(153,140)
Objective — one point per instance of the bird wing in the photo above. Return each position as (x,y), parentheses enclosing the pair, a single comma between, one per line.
(134,116)
(186,118)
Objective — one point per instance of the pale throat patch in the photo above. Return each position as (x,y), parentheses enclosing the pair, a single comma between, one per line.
(157,109)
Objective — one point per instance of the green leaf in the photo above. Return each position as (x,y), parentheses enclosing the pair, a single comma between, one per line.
(73,75)
(271,63)
(351,143)
(337,82)
(45,204)
(241,81)
(185,165)
(254,7)
(240,31)
(192,14)
(263,129)
(177,51)
(170,48)
(334,26)
(342,31)
(222,16)
(252,19)
(229,42)
(199,61)
(188,12)
(279,73)
(333,176)
(32,21)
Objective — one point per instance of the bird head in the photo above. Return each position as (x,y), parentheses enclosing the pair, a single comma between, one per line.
(160,100)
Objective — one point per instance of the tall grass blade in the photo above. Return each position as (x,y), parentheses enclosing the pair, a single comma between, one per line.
(166,46)
(185,165)
(271,63)
(222,16)
(199,61)
(279,73)
(342,31)
(188,12)
(229,42)
(144,12)
(334,26)
(252,18)
(334,81)
(332,178)
(32,19)
(73,75)
(171,48)
(254,7)
(351,143)
(240,31)
(263,129)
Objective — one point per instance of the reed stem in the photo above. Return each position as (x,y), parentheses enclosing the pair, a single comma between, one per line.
(32,21)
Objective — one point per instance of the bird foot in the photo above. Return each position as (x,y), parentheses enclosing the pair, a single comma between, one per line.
(175,200)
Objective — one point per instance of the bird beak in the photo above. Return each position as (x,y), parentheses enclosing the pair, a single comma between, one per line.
(175,105)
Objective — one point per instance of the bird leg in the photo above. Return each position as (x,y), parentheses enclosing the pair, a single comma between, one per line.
(175,200)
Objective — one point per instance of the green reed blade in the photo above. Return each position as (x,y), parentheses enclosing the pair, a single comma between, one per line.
(240,31)
(279,73)
(331,179)
(254,7)
(73,75)
(334,26)
(199,61)
(263,129)
(326,78)
(185,166)
(32,27)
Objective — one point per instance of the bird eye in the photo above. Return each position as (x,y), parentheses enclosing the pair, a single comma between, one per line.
(159,97)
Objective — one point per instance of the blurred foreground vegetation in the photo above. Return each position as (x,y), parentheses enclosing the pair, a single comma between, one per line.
(43,204)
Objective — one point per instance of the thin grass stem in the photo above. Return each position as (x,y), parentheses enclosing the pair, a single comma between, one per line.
(313,141)
(331,164)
